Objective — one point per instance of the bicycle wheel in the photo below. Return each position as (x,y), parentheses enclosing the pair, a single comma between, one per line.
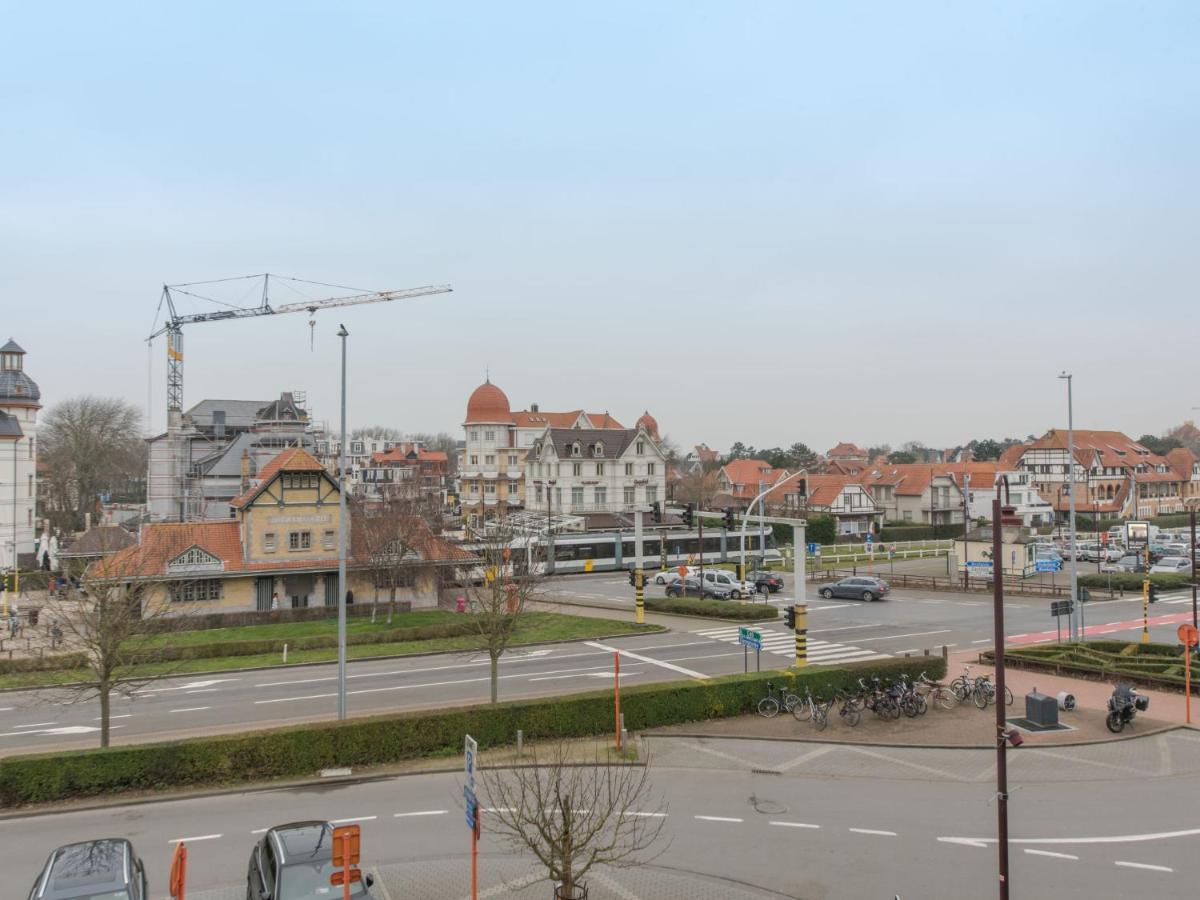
(1008,696)
(802,711)
(945,698)
(769,707)
(852,714)
(790,702)
(980,696)
(820,718)
(961,690)
(922,704)
(908,706)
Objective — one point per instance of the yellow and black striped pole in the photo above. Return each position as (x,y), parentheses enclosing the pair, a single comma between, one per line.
(639,595)
(801,611)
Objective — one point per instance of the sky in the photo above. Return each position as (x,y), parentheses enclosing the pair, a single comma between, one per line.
(764,222)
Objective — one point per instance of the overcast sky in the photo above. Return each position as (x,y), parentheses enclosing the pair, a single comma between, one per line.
(764,222)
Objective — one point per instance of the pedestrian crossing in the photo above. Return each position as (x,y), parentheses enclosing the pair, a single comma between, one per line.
(783,643)
(1175,598)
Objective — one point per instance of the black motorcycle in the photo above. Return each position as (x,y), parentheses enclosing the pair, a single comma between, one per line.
(1124,704)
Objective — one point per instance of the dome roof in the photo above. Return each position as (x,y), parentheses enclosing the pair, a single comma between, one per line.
(488,404)
(648,422)
(15,386)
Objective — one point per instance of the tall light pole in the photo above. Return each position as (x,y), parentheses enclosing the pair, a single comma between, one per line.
(343,529)
(1071,504)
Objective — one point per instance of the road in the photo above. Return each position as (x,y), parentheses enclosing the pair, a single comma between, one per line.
(839,631)
(815,821)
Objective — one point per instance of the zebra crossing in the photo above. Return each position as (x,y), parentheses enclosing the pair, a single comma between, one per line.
(1175,598)
(783,643)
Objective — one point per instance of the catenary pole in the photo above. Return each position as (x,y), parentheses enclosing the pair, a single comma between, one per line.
(1078,614)
(343,529)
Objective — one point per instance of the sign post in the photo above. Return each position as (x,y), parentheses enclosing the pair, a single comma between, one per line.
(617,694)
(749,637)
(346,848)
(178,881)
(1058,609)
(470,750)
(1189,635)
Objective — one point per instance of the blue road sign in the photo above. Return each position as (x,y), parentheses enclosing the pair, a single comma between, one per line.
(814,548)
(870,538)
(979,564)
(748,637)
(472,806)
(1048,565)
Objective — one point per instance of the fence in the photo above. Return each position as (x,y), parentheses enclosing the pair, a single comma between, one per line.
(839,553)
(1013,584)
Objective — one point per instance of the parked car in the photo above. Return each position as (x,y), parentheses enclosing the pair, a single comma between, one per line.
(1112,553)
(294,862)
(727,580)
(106,868)
(856,588)
(766,582)
(1129,563)
(670,576)
(1089,551)
(690,587)
(1178,565)
(1178,548)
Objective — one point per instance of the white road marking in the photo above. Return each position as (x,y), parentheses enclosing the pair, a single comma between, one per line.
(647,659)
(260,830)
(793,825)
(1050,853)
(123,716)
(1133,865)
(192,709)
(873,831)
(984,641)
(203,691)
(7,708)
(965,842)
(716,819)
(423,812)
(648,815)
(202,837)
(891,637)
(844,628)
(36,725)
(585,675)
(1109,839)
(353,819)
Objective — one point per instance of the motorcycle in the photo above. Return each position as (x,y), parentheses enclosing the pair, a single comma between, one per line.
(1124,704)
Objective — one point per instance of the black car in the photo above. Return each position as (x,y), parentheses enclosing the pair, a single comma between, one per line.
(858,588)
(294,862)
(690,587)
(765,582)
(106,868)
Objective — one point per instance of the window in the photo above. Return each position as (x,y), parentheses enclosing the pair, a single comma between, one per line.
(474,459)
(196,591)
(908,515)
(598,449)
(31,448)
(537,493)
(299,480)
(489,435)
(628,468)
(514,488)
(651,494)
(512,459)
(269,542)
(474,435)
(299,540)
(599,468)
(328,539)
(577,469)
(601,495)
(577,496)
(490,488)
(630,496)
(29,490)
(29,517)
(356,448)
(649,468)
(489,459)
(575,449)
(641,448)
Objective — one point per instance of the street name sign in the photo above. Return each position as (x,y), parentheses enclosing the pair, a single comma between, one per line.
(748,637)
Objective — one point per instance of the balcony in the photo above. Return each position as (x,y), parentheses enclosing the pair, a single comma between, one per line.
(489,500)
(514,474)
(490,476)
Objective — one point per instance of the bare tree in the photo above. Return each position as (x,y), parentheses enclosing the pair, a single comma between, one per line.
(699,487)
(377,432)
(500,597)
(392,530)
(89,445)
(117,628)
(573,817)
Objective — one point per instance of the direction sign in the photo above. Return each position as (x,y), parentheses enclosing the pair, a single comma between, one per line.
(1061,608)
(472,806)
(748,637)
(979,564)
(1048,565)
(814,548)
(470,748)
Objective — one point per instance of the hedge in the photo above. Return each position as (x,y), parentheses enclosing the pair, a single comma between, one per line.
(205,621)
(303,750)
(713,609)
(1148,664)
(1132,581)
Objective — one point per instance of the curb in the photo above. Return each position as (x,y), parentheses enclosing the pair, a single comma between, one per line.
(657,613)
(786,740)
(650,629)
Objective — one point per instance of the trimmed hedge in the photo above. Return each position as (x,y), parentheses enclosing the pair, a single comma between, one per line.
(304,750)
(206,621)
(1132,581)
(713,609)
(1160,664)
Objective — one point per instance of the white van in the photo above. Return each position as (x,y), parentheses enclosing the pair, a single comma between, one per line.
(721,578)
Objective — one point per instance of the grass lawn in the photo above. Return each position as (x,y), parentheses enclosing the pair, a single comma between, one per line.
(287,630)
(534,627)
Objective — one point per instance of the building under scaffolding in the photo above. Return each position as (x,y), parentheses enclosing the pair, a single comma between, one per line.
(208,454)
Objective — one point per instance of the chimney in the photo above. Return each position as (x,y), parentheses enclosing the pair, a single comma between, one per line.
(245,471)
(533,407)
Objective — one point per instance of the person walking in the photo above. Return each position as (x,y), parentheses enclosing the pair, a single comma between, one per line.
(275,601)
(14,620)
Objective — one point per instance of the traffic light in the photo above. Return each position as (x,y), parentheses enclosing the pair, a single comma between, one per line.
(689,513)
(729,519)
(656,511)
(789,616)
(1153,593)
(632,578)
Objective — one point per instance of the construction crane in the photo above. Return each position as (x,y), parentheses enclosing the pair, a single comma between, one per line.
(173,327)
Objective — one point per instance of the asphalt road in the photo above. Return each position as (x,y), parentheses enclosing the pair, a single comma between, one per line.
(907,828)
(839,631)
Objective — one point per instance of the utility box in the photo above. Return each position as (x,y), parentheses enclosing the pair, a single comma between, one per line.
(1041,710)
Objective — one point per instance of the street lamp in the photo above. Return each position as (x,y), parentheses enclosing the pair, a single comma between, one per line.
(342,531)
(1068,378)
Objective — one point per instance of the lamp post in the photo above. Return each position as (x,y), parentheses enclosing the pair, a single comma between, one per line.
(1069,378)
(999,518)
(343,528)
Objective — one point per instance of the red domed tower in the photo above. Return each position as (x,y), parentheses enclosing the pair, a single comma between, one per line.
(648,422)
(491,468)
(488,405)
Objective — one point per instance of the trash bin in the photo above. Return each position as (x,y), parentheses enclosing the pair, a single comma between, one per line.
(1040,709)
(1066,701)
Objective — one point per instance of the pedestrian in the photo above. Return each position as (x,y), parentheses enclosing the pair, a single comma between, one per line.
(275,601)
(349,598)
(56,636)
(14,620)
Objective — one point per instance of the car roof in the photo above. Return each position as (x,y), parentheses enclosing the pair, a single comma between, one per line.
(86,868)
(302,841)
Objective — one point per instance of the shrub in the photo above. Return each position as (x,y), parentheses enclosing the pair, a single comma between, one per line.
(1132,581)
(821,529)
(303,750)
(715,609)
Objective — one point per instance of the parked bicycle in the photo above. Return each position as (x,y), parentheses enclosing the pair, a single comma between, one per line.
(937,693)
(770,705)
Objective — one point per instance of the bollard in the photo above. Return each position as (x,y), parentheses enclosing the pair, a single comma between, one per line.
(907,655)
(285,652)
(926,651)
(520,742)
(945,653)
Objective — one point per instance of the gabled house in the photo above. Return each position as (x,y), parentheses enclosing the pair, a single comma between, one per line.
(845,498)
(745,479)
(916,493)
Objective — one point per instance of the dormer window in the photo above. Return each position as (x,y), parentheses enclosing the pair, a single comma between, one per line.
(598,449)
(576,450)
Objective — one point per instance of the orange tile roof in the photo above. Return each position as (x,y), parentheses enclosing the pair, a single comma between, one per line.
(293,459)
(848,450)
(748,473)
(603,420)
(824,489)
(525,419)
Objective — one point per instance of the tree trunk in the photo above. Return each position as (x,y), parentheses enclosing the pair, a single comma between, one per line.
(391,604)
(495,675)
(105,712)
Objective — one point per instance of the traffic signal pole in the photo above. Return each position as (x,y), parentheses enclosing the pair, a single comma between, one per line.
(639,574)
